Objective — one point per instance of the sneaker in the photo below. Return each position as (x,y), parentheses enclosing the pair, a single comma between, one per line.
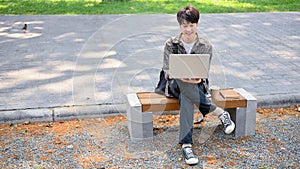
(189,156)
(199,120)
(228,124)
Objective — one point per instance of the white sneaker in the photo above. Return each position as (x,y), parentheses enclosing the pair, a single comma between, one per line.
(228,124)
(189,156)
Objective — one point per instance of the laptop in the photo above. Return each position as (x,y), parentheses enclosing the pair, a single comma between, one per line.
(189,65)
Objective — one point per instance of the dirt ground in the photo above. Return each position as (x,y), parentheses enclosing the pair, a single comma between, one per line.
(59,131)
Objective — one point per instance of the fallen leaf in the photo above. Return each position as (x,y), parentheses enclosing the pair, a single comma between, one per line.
(50,151)
(211,160)
(44,158)
(231,163)
(242,149)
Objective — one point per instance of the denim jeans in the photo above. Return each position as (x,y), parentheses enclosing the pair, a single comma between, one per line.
(190,95)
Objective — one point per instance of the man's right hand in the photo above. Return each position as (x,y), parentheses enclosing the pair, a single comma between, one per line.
(191,80)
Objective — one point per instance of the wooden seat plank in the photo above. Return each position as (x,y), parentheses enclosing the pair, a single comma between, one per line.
(151,101)
(220,101)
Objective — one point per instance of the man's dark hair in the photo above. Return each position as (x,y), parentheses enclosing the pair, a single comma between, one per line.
(189,14)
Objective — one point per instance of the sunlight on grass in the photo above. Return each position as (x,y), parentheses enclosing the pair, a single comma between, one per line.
(142,6)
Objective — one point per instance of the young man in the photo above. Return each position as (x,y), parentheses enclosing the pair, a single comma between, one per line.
(192,91)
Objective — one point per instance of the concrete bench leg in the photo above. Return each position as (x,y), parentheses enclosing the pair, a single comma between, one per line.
(140,124)
(245,118)
(243,125)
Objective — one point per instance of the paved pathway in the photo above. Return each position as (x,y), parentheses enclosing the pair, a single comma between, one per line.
(66,66)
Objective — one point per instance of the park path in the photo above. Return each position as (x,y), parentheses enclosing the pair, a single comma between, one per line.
(64,67)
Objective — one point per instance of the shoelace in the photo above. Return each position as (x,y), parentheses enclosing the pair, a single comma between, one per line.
(189,152)
(225,119)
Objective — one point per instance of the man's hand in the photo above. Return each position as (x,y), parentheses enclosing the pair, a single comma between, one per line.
(191,80)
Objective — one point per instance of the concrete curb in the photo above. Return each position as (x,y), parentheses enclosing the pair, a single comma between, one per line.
(278,100)
(23,115)
(53,114)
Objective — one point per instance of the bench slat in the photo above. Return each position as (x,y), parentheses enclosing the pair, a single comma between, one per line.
(220,101)
(153,102)
(160,107)
(230,103)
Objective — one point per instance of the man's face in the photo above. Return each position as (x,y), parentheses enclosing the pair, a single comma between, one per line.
(188,29)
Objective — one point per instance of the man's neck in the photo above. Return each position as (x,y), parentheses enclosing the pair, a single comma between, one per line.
(189,40)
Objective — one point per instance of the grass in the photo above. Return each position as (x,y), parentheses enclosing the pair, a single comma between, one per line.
(47,7)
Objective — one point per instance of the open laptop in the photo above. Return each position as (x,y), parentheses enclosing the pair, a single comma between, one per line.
(189,65)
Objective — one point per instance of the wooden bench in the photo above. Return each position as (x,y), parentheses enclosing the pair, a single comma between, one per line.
(140,108)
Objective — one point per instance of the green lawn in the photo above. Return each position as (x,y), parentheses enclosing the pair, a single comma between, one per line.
(33,7)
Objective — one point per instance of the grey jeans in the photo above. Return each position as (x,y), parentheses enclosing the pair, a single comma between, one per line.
(190,95)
